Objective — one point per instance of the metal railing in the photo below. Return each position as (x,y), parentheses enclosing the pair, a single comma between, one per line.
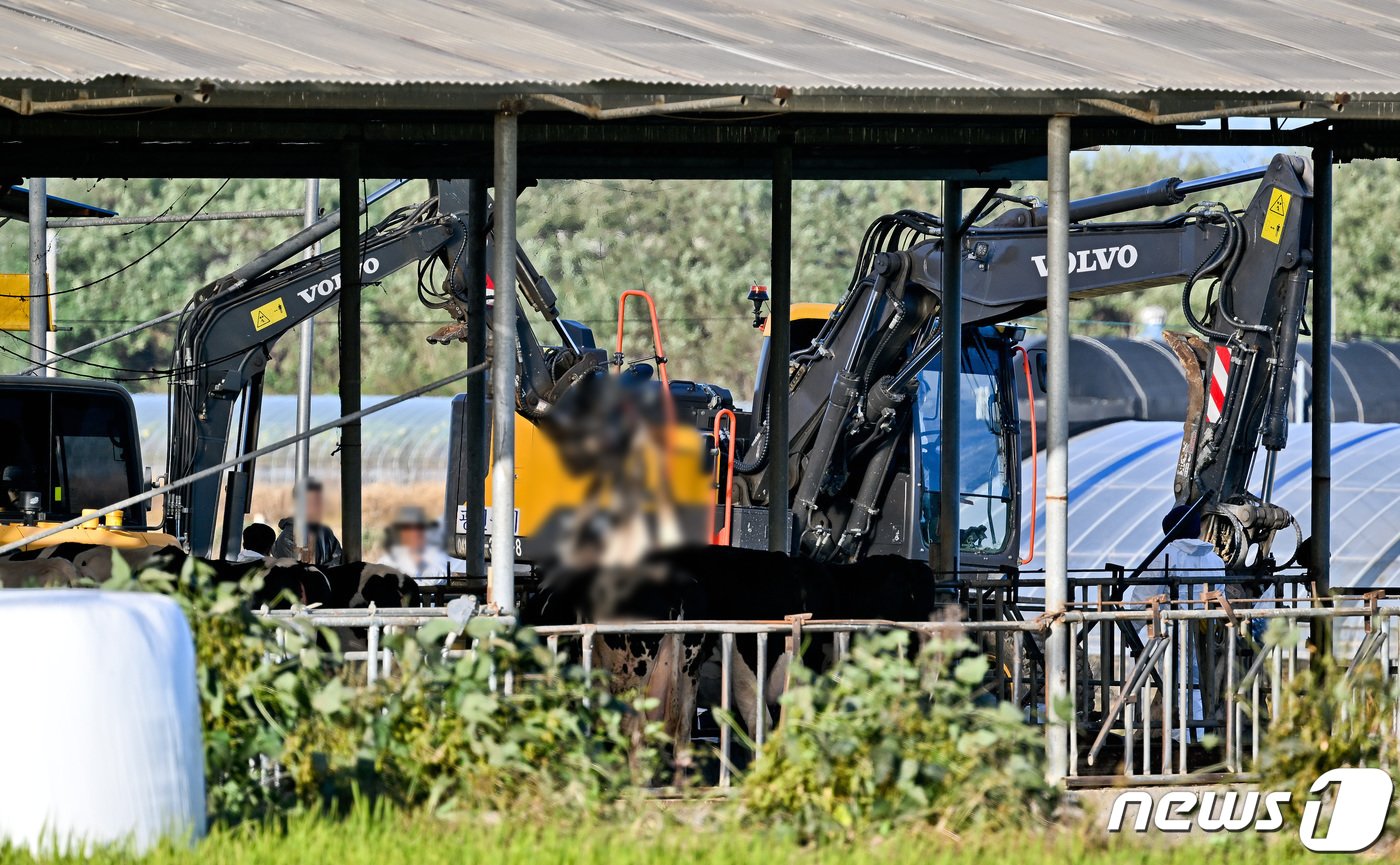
(1162,689)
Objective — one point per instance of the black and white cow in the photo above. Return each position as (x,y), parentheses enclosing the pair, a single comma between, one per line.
(726,583)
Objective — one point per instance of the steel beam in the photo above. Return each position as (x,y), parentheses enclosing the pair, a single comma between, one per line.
(38,271)
(779,347)
(950,381)
(478,431)
(306,336)
(1057,453)
(351,519)
(1322,326)
(500,589)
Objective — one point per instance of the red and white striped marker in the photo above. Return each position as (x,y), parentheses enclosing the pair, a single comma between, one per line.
(1219,383)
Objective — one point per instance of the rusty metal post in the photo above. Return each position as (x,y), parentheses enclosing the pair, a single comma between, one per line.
(351,521)
(478,423)
(950,381)
(779,347)
(1320,566)
(501,584)
(38,272)
(1057,453)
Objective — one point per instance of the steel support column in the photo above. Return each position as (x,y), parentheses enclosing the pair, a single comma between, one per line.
(478,424)
(306,336)
(779,346)
(38,271)
(501,585)
(1320,565)
(1057,697)
(350,486)
(950,402)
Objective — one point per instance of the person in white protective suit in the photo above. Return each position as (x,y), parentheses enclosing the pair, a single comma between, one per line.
(1185,557)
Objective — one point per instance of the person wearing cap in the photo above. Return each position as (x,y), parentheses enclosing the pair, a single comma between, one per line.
(326,550)
(409,550)
(258,540)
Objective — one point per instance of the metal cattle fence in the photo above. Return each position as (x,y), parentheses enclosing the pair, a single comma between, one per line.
(1180,684)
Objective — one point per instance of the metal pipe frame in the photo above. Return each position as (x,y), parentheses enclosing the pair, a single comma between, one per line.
(950,383)
(478,423)
(779,347)
(500,586)
(162,219)
(351,522)
(306,338)
(1057,451)
(1169,661)
(38,270)
(1320,565)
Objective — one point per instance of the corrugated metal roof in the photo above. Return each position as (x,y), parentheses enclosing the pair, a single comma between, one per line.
(1053,47)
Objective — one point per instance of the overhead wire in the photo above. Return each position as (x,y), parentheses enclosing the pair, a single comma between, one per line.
(125,267)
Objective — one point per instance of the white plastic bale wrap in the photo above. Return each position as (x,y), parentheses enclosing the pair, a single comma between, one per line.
(99,720)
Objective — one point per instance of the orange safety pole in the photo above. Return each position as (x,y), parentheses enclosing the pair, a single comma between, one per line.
(655,329)
(1035,468)
(660,366)
(721,537)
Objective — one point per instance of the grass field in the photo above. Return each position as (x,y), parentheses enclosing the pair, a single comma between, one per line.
(389,840)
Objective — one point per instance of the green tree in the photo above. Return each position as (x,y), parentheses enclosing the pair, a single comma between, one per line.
(695,245)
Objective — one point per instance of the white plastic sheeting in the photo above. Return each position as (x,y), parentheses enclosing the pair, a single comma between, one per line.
(100,730)
(1120,487)
(404,444)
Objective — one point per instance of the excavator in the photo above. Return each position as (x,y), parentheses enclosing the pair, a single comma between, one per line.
(864,393)
(864,399)
(225,338)
(226,335)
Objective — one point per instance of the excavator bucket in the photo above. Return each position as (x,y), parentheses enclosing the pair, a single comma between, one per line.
(1195,355)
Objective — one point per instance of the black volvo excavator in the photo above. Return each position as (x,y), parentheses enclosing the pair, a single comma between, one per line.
(229,328)
(864,393)
(864,399)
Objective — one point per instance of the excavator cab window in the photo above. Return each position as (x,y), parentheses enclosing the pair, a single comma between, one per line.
(984,464)
(73,446)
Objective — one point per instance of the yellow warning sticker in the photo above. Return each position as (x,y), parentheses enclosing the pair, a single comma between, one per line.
(274,311)
(1278,212)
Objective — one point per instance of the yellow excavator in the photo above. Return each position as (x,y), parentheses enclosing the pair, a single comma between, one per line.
(70,447)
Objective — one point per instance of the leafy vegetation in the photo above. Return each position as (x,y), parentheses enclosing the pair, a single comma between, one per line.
(509,755)
(511,728)
(506,727)
(436,735)
(856,753)
(377,837)
(1330,714)
(696,245)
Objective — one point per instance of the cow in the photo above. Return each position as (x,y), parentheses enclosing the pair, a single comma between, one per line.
(285,581)
(38,573)
(720,582)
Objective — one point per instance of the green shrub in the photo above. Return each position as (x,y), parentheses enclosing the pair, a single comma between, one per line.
(253,689)
(439,735)
(278,704)
(1330,715)
(894,736)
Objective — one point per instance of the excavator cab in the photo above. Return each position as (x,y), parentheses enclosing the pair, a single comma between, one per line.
(70,447)
(988,452)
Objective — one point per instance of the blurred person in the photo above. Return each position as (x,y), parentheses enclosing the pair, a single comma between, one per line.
(1185,557)
(258,540)
(408,549)
(16,480)
(326,550)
